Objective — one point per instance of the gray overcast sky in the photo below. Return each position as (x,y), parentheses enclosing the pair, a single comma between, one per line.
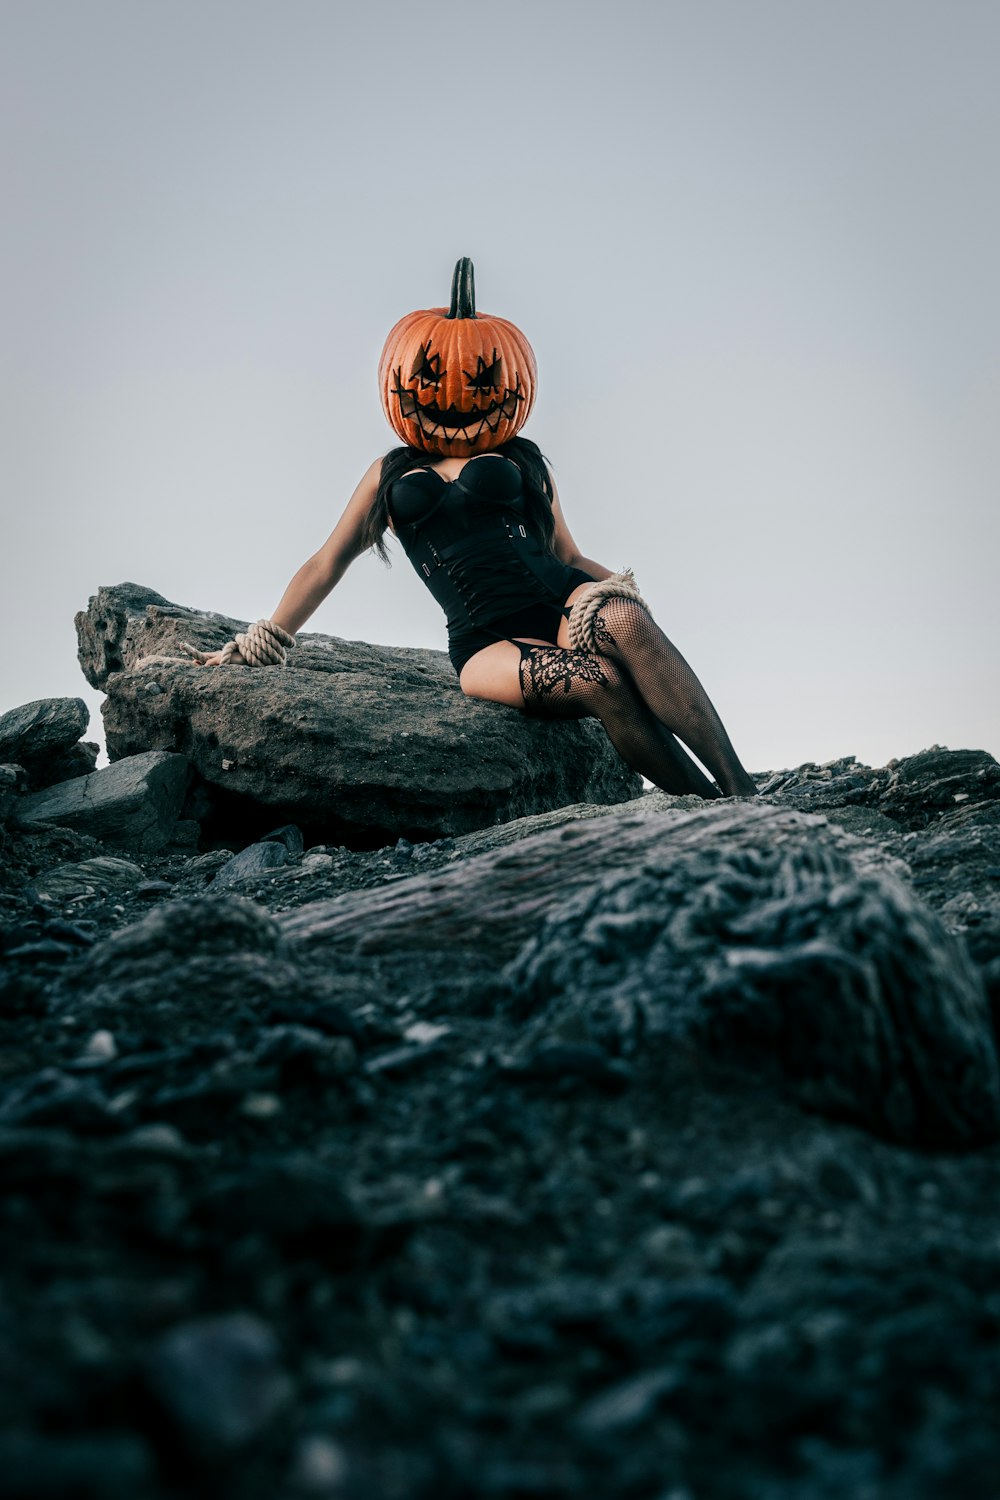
(754,246)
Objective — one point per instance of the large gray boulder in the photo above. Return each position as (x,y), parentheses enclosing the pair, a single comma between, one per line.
(42,737)
(133,804)
(355,743)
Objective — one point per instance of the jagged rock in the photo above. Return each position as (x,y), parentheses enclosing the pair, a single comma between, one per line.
(79,760)
(12,782)
(354,743)
(103,873)
(761,936)
(937,810)
(911,791)
(544,859)
(251,863)
(133,804)
(923,786)
(40,733)
(287,835)
(783,960)
(209,955)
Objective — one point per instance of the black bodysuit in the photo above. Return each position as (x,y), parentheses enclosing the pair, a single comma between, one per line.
(470,542)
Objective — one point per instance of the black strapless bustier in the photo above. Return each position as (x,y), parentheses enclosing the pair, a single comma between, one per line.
(471,542)
(489,477)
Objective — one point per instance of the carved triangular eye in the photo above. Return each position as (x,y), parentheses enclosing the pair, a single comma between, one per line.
(427,367)
(487,376)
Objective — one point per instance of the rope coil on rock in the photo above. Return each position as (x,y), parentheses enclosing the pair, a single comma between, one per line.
(583,611)
(262,644)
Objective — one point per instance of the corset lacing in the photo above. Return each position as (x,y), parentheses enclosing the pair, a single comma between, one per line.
(480,568)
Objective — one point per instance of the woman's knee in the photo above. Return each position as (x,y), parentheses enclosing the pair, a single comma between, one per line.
(596,678)
(611,681)
(613,691)
(620,621)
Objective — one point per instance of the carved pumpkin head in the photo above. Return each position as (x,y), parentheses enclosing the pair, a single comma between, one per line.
(454,381)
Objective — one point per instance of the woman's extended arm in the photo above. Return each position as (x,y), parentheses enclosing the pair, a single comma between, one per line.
(564,546)
(320,573)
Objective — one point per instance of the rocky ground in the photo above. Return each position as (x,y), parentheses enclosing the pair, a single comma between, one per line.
(645,1150)
(276,1226)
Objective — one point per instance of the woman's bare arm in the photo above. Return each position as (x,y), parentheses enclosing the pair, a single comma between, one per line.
(565,547)
(320,573)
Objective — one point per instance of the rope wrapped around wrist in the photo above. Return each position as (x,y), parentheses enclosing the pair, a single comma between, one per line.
(583,610)
(262,644)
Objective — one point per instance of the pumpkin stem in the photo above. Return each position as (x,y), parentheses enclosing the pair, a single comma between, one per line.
(463,290)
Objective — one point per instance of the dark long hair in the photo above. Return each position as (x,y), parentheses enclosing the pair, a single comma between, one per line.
(526,454)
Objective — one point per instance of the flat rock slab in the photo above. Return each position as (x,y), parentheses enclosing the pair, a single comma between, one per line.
(356,744)
(87,876)
(251,863)
(41,733)
(133,804)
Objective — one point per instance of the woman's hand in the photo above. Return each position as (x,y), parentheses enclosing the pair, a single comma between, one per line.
(317,575)
(214,659)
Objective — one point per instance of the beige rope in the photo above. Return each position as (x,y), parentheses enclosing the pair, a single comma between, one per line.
(585,606)
(262,644)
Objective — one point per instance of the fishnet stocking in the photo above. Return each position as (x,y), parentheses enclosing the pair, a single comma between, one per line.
(627,634)
(559,684)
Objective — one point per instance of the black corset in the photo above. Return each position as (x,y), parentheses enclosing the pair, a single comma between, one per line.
(470,542)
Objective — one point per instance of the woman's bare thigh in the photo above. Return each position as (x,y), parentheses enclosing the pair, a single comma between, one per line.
(494,673)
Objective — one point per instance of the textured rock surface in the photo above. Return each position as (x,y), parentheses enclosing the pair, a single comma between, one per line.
(79,760)
(88,877)
(496,1166)
(356,743)
(12,779)
(41,736)
(759,934)
(133,804)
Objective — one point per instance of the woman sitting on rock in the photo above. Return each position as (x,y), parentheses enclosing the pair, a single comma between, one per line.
(531,622)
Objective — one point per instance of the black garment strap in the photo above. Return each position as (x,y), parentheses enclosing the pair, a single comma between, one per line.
(564,609)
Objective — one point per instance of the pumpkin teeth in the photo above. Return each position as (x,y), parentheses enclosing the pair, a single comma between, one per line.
(431,418)
(453,423)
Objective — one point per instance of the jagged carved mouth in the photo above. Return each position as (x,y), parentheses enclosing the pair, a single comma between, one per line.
(451,422)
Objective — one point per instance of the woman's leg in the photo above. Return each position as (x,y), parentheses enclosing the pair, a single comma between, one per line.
(553,683)
(627,634)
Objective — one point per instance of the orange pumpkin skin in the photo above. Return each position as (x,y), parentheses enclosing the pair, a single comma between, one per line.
(454,381)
